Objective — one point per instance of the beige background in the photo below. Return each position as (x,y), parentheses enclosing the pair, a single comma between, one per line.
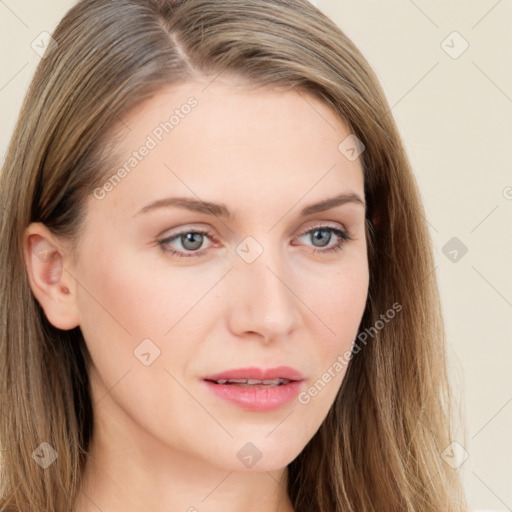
(455,115)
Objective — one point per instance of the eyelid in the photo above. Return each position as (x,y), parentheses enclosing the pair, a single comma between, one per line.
(324,224)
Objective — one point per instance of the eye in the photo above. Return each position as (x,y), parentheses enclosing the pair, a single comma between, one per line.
(323,235)
(191,240)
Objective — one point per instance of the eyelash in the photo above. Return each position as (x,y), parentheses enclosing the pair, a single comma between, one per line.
(343,238)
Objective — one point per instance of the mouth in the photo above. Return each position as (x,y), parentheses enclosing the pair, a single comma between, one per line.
(252,383)
(255,389)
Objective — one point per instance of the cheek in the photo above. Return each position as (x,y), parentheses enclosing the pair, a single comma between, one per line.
(130,318)
(339,303)
(341,308)
(124,293)
(129,309)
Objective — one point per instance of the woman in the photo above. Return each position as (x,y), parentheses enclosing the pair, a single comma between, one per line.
(173,338)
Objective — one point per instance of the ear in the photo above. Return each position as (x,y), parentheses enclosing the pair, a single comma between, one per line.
(50,275)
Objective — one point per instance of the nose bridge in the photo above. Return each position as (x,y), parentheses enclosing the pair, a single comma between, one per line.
(263,301)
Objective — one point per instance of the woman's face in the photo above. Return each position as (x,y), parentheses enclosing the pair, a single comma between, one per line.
(263,288)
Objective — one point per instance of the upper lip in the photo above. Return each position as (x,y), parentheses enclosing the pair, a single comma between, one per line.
(283,372)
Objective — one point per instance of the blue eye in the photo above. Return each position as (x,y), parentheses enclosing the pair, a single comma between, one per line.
(192,240)
(325,233)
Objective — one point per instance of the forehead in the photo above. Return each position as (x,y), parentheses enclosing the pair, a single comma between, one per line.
(221,140)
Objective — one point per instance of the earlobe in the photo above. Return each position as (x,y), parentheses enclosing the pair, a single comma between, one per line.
(50,281)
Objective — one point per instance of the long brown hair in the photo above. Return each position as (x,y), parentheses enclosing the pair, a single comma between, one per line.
(380,447)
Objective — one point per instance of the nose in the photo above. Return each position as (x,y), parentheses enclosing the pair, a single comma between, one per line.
(262,298)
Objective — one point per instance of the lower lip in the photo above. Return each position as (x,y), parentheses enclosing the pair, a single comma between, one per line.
(257,398)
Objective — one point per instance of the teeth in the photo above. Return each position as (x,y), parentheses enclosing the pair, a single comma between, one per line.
(250,382)
(276,382)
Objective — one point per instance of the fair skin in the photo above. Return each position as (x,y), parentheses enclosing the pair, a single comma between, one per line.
(162,441)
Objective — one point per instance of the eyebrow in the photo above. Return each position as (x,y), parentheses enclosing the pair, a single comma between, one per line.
(221,210)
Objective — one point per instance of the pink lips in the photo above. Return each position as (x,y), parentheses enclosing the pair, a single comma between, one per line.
(257,398)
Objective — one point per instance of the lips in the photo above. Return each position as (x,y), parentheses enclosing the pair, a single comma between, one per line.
(256,389)
(254,376)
